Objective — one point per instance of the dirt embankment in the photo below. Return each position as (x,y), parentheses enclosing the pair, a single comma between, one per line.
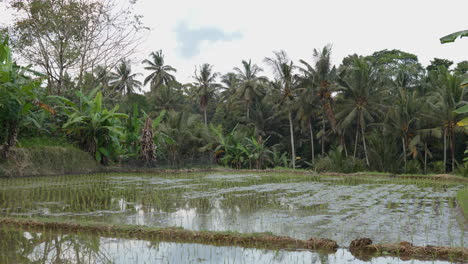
(361,248)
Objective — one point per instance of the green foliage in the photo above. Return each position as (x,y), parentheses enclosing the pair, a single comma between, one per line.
(336,161)
(18,96)
(413,167)
(437,167)
(95,128)
(452,37)
(240,148)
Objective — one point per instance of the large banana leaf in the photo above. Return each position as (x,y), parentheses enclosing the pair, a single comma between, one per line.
(452,37)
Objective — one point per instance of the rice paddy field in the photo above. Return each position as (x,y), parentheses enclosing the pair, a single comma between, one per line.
(301,206)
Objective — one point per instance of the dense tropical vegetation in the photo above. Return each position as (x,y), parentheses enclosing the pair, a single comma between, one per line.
(382,112)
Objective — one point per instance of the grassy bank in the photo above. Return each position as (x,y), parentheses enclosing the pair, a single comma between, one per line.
(47,160)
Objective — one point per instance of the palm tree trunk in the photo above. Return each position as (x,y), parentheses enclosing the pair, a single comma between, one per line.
(204,116)
(445,149)
(452,146)
(425,157)
(356,139)
(329,112)
(365,146)
(323,136)
(291,131)
(312,141)
(343,143)
(403,143)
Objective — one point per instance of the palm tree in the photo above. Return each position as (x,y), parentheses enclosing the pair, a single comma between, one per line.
(404,118)
(123,80)
(250,88)
(306,112)
(319,80)
(448,96)
(205,85)
(283,68)
(160,73)
(362,94)
(322,77)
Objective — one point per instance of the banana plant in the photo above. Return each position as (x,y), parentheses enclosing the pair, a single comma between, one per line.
(258,151)
(18,96)
(95,128)
(451,38)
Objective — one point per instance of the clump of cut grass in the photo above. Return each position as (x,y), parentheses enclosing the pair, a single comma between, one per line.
(363,247)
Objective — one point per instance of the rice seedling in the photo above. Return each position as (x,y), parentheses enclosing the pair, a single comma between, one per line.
(300,205)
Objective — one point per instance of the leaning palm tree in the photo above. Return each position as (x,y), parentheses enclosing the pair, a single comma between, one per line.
(122,80)
(362,93)
(160,73)
(283,68)
(250,84)
(206,86)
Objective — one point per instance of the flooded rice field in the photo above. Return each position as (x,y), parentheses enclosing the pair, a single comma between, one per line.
(19,246)
(301,206)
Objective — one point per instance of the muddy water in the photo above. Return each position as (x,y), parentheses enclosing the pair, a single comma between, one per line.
(29,247)
(342,209)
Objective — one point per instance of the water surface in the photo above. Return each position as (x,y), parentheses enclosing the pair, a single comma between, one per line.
(300,206)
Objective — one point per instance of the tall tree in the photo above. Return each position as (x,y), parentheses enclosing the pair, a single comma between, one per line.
(74,36)
(283,68)
(321,78)
(362,99)
(160,73)
(250,84)
(448,96)
(205,83)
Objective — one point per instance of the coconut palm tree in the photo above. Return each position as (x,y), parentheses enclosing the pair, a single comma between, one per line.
(123,80)
(403,119)
(206,86)
(448,96)
(322,76)
(283,68)
(250,84)
(362,93)
(160,73)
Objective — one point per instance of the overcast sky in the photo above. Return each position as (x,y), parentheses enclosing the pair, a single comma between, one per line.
(223,33)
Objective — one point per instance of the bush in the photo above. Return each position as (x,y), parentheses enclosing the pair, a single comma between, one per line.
(413,167)
(337,162)
(437,167)
(462,170)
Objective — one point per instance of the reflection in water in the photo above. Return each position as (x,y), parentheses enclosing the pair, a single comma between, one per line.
(30,247)
(300,206)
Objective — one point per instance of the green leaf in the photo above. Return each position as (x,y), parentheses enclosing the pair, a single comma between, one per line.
(98,156)
(104,151)
(462,110)
(463,122)
(452,37)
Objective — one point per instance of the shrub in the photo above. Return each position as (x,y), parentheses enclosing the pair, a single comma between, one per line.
(413,167)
